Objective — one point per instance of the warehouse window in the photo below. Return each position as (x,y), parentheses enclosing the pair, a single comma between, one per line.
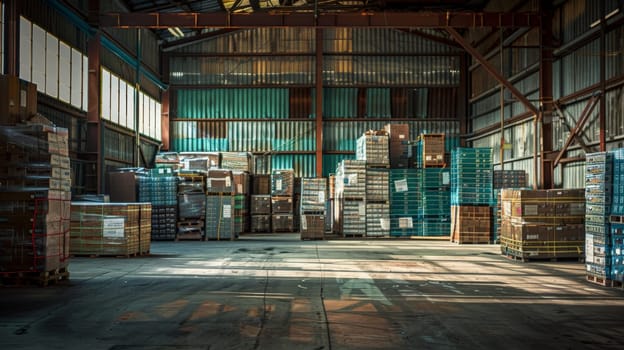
(57,69)
(118,106)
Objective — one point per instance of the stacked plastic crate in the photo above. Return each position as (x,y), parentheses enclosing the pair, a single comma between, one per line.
(434,215)
(35,193)
(159,187)
(372,147)
(617,220)
(404,202)
(313,215)
(471,195)
(598,196)
(219,205)
(351,197)
(191,206)
(282,206)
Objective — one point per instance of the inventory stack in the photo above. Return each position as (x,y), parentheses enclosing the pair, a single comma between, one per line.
(543,224)
(351,197)
(430,150)
(35,194)
(237,161)
(313,195)
(329,207)
(471,194)
(240,192)
(282,206)
(398,146)
(108,229)
(377,202)
(511,179)
(404,202)
(617,219)
(261,203)
(434,215)
(159,187)
(219,205)
(297,205)
(372,147)
(598,196)
(191,206)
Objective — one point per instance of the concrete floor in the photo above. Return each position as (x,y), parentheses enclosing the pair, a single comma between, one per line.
(277,292)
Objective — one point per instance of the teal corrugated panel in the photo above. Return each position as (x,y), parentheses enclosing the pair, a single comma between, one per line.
(378,104)
(330,162)
(340,102)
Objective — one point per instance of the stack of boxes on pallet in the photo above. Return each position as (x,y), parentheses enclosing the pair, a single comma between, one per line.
(312,209)
(372,147)
(433,211)
(430,150)
(282,206)
(159,187)
(350,198)
(261,204)
(241,197)
(219,205)
(404,202)
(191,206)
(35,194)
(398,145)
(617,221)
(543,224)
(110,229)
(471,193)
(511,179)
(598,197)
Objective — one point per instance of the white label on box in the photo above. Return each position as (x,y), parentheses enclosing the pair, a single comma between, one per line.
(227,211)
(530,209)
(362,210)
(304,222)
(113,227)
(446,178)
(406,223)
(618,251)
(401,185)
(533,253)
(401,136)
(385,224)
(161,170)
(321,197)
(507,208)
(529,237)
(209,183)
(228,182)
(239,188)
(278,184)
(353,179)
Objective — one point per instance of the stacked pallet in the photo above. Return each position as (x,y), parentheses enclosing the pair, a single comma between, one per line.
(312,207)
(434,215)
(398,146)
(159,187)
(329,223)
(191,206)
(109,229)
(543,224)
(261,204)
(35,192)
(404,202)
(351,197)
(237,161)
(282,206)
(377,202)
(471,186)
(372,147)
(512,179)
(241,196)
(430,150)
(219,205)
(199,161)
(598,196)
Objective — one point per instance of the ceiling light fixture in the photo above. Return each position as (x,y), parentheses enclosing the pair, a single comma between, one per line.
(175,31)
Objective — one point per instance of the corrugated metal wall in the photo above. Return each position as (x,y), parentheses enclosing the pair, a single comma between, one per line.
(575,17)
(261,103)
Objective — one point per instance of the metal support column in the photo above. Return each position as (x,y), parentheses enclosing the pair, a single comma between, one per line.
(319,102)
(94,124)
(164,121)
(462,107)
(12,12)
(546,97)
(603,78)
(137,101)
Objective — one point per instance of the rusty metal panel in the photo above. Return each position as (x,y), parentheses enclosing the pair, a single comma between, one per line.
(580,69)
(263,103)
(379,40)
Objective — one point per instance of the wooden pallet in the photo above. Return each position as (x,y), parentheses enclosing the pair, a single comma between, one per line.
(42,279)
(603,281)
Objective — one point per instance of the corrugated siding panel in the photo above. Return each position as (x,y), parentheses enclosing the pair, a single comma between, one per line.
(259,40)
(377,40)
(615,56)
(572,112)
(340,102)
(254,70)
(391,71)
(330,162)
(615,117)
(233,103)
(581,68)
(573,175)
(577,17)
(519,136)
(378,103)
(118,146)
(294,136)
(304,165)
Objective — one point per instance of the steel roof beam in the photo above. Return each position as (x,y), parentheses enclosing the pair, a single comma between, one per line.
(323,20)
